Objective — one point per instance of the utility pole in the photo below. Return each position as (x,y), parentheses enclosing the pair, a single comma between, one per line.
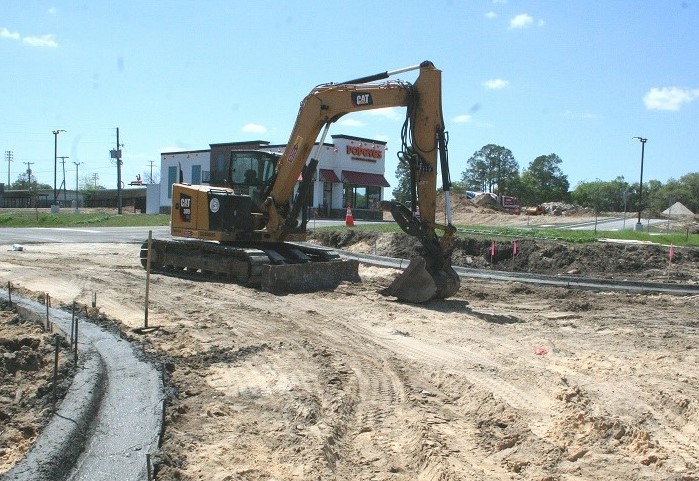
(55,162)
(29,183)
(116,154)
(95,177)
(639,226)
(77,200)
(63,162)
(151,172)
(29,171)
(8,157)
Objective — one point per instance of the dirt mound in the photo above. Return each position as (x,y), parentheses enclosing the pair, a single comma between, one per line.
(605,260)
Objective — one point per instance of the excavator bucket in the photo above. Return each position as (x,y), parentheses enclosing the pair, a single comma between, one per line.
(417,285)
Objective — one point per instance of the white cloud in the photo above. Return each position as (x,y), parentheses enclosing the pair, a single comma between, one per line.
(254,129)
(47,41)
(669,98)
(496,84)
(462,119)
(522,20)
(490,15)
(350,122)
(5,33)
(391,113)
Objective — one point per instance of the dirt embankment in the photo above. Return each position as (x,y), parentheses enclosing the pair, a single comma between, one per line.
(604,260)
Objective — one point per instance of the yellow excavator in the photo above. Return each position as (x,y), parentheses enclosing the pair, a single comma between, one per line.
(250,226)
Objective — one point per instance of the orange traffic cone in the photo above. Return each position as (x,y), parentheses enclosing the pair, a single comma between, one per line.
(349,220)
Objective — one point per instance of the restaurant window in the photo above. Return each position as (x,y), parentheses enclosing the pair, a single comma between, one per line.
(363,197)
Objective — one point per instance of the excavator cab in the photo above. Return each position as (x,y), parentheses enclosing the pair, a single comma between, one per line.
(251,172)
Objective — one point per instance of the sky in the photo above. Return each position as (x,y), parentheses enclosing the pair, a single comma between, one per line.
(578,79)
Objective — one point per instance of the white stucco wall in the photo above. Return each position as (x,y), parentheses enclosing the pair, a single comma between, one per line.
(345,153)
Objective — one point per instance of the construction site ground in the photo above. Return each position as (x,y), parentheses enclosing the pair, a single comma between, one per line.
(505,381)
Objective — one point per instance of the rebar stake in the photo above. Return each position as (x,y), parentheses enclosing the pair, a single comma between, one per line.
(72,326)
(75,356)
(48,301)
(55,370)
(150,242)
(148,466)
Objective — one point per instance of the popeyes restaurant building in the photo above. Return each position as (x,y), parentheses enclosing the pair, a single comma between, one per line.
(350,173)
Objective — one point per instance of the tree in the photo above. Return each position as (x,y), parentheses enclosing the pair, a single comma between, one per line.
(402,191)
(544,181)
(151,180)
(90,182)
(491,169)
(690,184)
(25,180)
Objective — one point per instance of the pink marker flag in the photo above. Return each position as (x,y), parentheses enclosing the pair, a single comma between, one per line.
(492,249)
(672,251)
(514,248)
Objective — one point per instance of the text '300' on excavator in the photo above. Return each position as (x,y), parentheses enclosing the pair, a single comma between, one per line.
(250,226)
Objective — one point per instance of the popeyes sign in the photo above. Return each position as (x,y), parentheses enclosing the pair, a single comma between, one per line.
(362,153)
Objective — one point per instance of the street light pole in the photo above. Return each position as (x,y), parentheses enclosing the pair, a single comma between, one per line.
(55,161)
(639,226)
(77,199)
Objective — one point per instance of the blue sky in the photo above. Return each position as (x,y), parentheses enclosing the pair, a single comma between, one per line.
(574,78)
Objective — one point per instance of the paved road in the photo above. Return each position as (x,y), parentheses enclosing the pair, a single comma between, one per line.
(136,235)
(613,224)
(38,235)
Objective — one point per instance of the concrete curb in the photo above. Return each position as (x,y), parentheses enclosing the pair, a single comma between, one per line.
(112,409)
(62,441)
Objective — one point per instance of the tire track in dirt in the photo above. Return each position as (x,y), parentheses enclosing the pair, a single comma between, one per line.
(411,421)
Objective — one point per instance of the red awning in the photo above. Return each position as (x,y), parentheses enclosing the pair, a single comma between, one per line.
(364,178)
(328,175)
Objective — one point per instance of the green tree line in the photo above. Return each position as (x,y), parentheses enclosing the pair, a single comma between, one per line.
(493,168)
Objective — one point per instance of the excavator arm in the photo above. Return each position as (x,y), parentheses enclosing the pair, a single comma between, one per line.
(424,139)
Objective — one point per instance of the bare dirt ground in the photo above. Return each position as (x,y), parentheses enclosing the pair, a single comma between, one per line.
(505,381)
(26,383)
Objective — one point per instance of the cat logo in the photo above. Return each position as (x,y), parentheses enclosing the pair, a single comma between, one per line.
(361,98)
(185,208)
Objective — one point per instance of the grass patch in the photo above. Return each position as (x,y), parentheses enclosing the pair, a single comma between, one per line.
(547,233)
(581,236)
(31,218)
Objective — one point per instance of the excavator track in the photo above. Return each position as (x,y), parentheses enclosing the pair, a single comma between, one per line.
(276,267)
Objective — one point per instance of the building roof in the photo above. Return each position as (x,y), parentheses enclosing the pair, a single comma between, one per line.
(364,178)
(185,152)
(329,175)
(360,139)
